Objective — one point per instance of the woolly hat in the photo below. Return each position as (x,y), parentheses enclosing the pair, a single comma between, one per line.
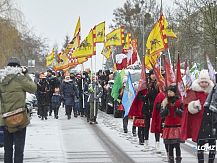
(50,71)
(151,72)
(204,76)
(172,88)
(13,62)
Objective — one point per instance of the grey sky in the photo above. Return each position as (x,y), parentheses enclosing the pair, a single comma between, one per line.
(53,19)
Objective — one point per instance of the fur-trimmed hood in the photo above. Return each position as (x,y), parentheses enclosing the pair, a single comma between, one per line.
(8,73)
(196,87)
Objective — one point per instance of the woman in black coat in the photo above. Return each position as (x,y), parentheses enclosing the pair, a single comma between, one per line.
(68,92)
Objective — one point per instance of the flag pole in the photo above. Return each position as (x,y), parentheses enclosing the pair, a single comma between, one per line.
(95,92)
(103,58)
(82,84)
(168,51)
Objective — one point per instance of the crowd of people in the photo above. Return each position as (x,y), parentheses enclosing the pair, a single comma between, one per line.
(161,109)
(79,93)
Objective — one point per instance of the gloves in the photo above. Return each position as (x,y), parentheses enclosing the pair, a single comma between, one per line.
(194,107)
(90,89)
(178,112)
(197,105)
(24,69)
(165,111)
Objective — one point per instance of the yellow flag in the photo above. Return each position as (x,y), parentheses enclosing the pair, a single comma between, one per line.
(87,48)
(64,60)
(157,40)
(74,43)
(151,60)
(78,28)
(168,29)
(50,58)
(115,38)
(106,51)
(99,32)
(77,61)
(127,44)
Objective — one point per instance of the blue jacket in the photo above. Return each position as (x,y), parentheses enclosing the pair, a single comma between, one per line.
(69,91)
(56,100)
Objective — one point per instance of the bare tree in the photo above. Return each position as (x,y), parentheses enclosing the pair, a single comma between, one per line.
(132,15)
(208,11)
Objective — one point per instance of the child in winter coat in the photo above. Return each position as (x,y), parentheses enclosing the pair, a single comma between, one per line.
(56,102)
(171,110)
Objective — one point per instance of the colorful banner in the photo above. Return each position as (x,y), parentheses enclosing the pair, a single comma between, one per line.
(87,48)
(115,38)
(151,60)
(77,28)
(99,32)
(168,29)
(107,51)
(50,58)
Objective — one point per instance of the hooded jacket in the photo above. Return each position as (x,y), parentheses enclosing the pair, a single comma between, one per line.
(13,87)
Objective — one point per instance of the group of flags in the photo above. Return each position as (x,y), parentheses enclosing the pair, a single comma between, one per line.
(77,52)
(156,44)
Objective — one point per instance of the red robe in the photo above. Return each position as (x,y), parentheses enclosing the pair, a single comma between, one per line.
(156,119)
(172,128)
(191,123)
(136,107)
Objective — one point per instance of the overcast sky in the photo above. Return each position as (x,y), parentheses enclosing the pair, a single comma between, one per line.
(54,19)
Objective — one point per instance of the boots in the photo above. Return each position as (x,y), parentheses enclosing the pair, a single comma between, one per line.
(69,117)
(157,147)
(178,159)
(141,141)
(171,159)
(146,145)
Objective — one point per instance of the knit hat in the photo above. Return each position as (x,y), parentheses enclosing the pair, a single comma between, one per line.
(50,71)
(204,76)
(172,88)
(13,62)
(151,72)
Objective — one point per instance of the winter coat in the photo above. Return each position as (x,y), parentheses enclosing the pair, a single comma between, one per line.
(211,101)
(139,103)
(56,100)
(152,93)
(95,92)
(13,87)
(68,91)
(156,122)
(196,125)
(43,93)
(172,112)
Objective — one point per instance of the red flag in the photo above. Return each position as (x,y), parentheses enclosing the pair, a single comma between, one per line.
(170,76)
(132,53)
(136,107)
(179,82)
(121,61)
(159,77)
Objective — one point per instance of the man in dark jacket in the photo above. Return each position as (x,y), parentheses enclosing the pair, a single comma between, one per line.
(54,82)
(43,96)
(14,83)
